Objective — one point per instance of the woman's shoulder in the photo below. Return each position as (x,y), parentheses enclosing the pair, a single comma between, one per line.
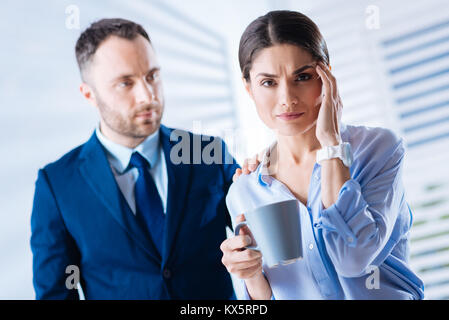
(373,140)
(244,193)
(243,182)
(374,149)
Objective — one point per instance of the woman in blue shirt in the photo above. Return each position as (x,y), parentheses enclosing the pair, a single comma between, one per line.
(354,218)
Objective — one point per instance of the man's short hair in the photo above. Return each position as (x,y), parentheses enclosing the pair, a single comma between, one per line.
(99,31)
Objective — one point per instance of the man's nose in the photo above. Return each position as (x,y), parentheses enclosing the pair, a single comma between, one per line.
(144,93)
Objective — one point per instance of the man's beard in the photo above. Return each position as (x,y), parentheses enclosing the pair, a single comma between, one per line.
(125,125)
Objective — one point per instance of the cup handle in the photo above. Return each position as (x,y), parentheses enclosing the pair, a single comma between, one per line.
(237,230)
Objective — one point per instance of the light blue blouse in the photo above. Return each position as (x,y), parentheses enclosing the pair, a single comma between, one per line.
(358,248)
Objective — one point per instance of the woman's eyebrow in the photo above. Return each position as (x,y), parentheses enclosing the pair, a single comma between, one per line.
(268,75)
(297,71)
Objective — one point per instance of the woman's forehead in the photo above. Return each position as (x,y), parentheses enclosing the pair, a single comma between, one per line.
(281,56)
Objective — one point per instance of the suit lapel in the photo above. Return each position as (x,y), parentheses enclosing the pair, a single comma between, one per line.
(178,181)
(97,172)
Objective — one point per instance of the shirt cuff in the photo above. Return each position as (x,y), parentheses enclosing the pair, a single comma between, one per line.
(347,215)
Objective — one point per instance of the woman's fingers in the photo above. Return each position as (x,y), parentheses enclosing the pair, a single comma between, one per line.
(331,79)
(335,94)
(244,273)
(236,243)
(238,260)
(244,230)
(244,259)
(240,263)
(247,255)
(326,82)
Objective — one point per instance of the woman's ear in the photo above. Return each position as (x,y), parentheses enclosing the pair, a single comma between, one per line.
(247,85)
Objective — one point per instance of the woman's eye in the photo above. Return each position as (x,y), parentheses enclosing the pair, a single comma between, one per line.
(303,77)
(268,83)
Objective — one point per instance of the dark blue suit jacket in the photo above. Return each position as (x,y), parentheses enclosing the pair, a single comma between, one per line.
(81,218)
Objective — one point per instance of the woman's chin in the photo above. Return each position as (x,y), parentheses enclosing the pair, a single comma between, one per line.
(291,129)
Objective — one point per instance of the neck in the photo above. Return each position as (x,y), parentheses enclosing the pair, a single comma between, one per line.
(126,141)
(298,149)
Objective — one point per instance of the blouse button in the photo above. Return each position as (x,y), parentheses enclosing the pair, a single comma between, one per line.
(311,246)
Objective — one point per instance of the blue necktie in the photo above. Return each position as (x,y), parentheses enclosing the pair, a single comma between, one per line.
(149,210)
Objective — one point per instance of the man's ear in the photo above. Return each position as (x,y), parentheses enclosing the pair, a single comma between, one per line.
(247,85)
(88,93)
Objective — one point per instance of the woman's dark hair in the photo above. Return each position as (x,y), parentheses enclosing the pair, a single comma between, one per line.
(89,41)
(280,27)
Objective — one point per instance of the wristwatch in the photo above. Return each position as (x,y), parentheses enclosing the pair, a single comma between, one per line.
(342,151)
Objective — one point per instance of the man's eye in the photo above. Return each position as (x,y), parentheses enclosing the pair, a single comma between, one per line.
(303,77)
(153,76)
(124,84)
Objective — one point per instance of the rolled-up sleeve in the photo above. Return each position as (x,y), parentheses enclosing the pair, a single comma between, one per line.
(359,224)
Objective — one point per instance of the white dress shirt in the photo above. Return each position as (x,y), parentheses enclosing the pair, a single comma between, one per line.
(119,157)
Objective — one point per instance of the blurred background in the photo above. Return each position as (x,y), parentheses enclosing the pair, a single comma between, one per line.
(390,58)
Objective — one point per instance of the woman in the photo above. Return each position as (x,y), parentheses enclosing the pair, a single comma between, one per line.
(354,219)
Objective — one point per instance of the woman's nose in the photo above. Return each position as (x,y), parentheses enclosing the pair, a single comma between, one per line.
(288,96)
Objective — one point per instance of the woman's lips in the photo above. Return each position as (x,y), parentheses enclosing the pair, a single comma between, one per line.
(290,115)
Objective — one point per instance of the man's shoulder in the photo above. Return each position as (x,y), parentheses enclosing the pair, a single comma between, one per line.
(66,161)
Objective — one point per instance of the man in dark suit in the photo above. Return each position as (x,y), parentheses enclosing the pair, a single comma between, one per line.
(127,212)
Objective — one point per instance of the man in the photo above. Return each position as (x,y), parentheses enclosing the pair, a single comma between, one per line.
(121,211)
